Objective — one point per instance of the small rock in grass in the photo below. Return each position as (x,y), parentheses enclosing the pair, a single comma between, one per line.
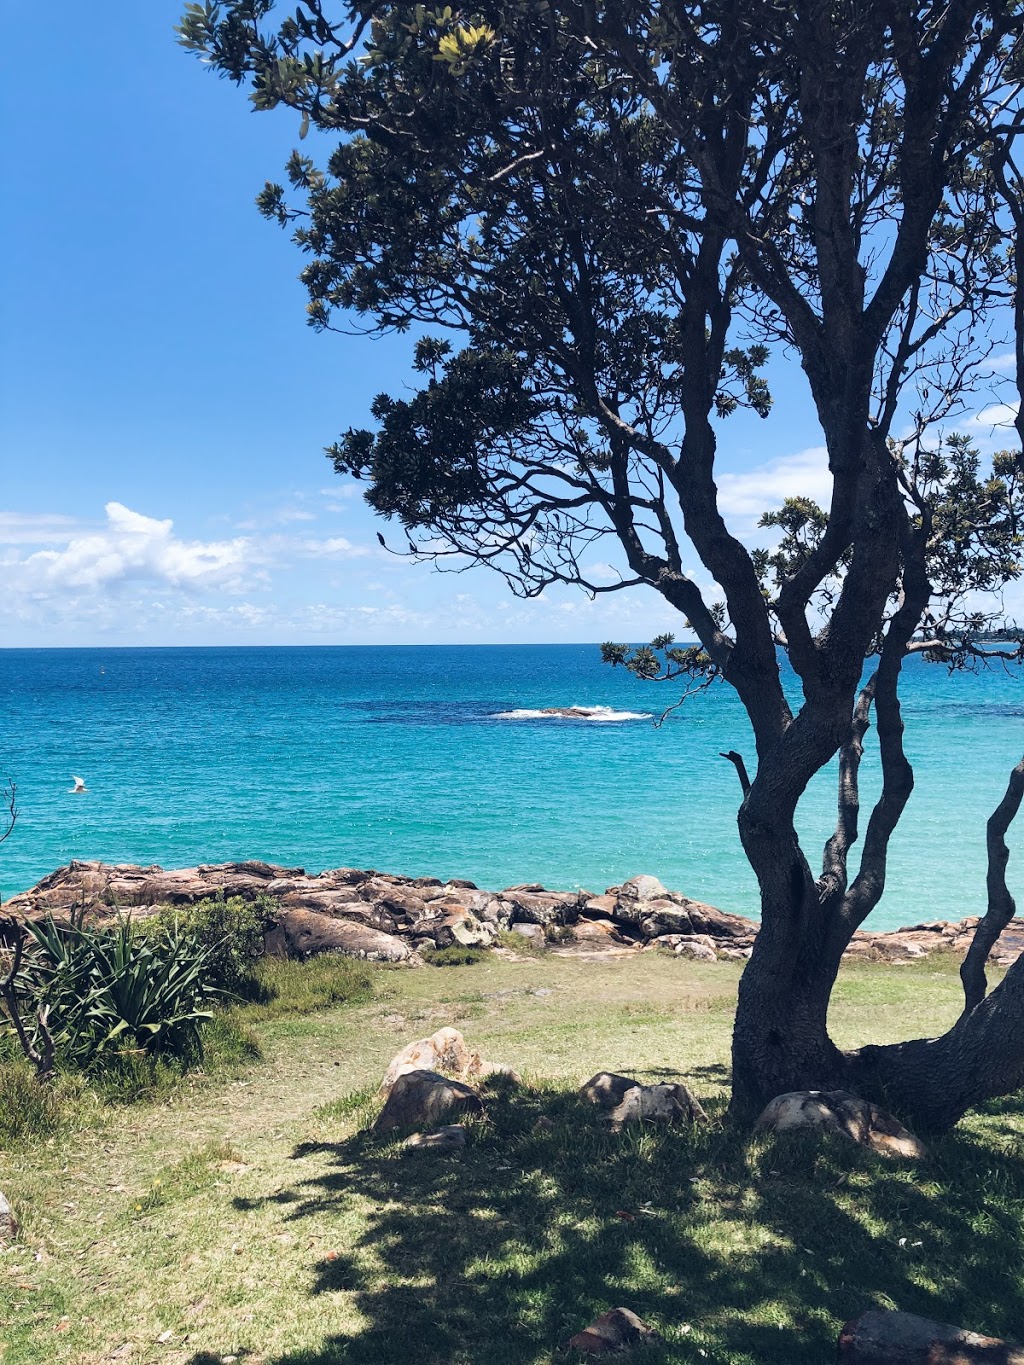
(8,1222)
(451,1138)
(657,1104)
(837,1111)
(424,1099)
(617,1330)
(607,1088)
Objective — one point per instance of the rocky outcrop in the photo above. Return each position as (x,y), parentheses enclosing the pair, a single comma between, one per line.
(837,1111)
(364,913)
(306,933)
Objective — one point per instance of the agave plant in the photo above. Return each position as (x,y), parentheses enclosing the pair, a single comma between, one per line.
(114,990)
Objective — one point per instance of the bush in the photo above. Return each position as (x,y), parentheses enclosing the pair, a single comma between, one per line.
(112,991)
(230,932)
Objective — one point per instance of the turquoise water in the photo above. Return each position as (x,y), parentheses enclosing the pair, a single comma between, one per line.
(396,758)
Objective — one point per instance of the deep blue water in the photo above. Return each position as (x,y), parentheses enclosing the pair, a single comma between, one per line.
(395,758)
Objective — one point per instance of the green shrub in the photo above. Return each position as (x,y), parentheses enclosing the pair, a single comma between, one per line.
(112,991)
(230,932)
(455,955)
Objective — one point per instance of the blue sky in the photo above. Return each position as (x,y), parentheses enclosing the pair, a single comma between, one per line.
(164,405)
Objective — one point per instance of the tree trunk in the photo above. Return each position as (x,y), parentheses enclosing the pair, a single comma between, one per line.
(780,1037)
(931,1083)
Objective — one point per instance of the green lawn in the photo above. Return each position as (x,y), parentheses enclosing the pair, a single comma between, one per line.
(247,1217)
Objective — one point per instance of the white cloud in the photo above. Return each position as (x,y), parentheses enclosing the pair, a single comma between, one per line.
(25,528)
(744,497)
(132,547)
(334,547)
(991,429)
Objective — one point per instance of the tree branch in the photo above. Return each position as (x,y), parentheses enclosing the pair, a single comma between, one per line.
(1001,905)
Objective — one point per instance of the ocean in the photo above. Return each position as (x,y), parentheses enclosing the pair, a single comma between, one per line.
(406,759)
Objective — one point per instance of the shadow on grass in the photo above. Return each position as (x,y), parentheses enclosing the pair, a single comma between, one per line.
(737,1253)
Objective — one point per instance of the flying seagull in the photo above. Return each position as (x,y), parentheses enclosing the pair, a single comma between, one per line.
(78,787)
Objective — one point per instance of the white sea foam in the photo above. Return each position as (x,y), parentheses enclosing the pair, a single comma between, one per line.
(600,714)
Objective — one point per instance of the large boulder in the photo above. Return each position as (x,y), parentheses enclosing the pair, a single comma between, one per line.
(884,1337)
(425,1099)
(447,1052)
(617,1330)
(542,907)
(8,1222)
(304,933)
(837,1111)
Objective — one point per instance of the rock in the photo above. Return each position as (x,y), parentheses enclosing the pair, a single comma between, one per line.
(837,1111)
(694,948)
(883,1337)
(423,908)
(542,907)
(657,1104)
(302,933)
(450,1138)
(533,932)
(424,1099)
(642,888)
(617,1330)
(445,1051)
(8,1222)
(607,1088)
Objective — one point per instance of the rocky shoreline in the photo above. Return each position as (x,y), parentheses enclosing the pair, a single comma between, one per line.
(382,917)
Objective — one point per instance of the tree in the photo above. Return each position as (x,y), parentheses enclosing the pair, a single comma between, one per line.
(619,211)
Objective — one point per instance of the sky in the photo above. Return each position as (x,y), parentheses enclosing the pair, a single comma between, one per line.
(164,406)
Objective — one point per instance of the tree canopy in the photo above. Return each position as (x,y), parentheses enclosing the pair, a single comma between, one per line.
(602,220)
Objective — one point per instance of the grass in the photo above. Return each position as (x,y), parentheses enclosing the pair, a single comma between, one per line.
(250,1216)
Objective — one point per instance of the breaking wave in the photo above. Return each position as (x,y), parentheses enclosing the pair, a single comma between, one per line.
(601,714)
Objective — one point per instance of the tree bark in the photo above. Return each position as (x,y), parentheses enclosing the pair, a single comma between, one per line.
(932,1082)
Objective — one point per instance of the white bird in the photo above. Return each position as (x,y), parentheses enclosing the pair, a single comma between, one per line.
(78,787)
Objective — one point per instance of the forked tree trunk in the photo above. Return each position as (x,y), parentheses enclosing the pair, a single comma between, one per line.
(932,1082)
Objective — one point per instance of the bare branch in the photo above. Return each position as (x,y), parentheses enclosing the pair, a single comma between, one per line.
(1001,905)
(741,768)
